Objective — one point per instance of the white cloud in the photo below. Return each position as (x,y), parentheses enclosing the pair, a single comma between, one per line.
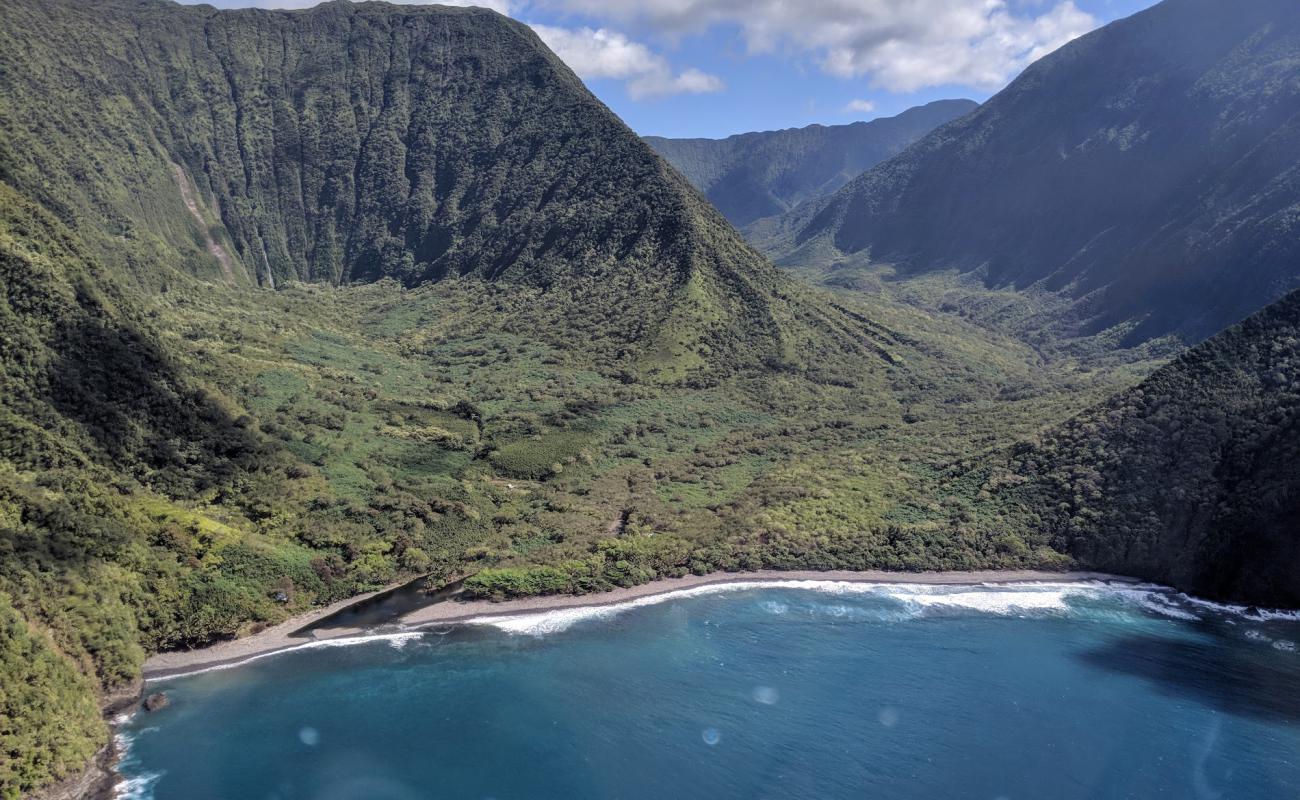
(859,107)
(600,53)
(659,84)
(898,45)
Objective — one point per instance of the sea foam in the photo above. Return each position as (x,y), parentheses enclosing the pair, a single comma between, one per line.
(395,640)
(907,601)
(137,787)
(1249,612)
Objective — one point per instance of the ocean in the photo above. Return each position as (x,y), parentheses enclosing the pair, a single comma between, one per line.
(798,690)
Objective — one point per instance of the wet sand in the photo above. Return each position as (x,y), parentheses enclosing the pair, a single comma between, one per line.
(451,611)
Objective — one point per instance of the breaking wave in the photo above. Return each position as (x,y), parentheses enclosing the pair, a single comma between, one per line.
(897,602)
(1249,612)
(135,787)
(395,640)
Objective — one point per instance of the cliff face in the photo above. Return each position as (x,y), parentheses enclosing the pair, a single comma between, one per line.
(1145,173)
(341,144)
(350,143)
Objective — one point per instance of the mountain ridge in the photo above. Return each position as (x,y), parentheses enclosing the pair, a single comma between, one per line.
(759,174)
(1145,173)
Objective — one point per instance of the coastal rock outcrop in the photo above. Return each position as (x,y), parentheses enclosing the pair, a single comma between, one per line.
(95,782)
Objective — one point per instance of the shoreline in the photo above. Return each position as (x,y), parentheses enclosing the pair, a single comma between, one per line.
(452,611)
(466,610)
(268,640)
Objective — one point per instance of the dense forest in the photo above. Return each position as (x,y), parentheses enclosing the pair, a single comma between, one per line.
(1141,180)
(754,175)
(298,305)
(1191,478)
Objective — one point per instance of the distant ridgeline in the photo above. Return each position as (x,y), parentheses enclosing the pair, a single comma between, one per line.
(754,175)
(1147,174)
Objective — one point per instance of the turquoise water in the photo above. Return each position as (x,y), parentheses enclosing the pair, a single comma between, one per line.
(809,691)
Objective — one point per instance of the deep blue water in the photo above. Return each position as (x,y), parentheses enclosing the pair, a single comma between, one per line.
(838,692)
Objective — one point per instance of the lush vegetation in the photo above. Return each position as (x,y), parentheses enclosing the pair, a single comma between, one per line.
(330,440)
(528,349)
(49,721)
(1189,478)
(754,175)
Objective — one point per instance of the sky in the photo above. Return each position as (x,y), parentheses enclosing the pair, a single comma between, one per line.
(711,68)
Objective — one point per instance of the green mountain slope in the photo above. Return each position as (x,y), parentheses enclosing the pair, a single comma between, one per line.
(1191,478)
(1143,176)
(753,175)
(51,721)
(252,147)
(108,440)
(422,160)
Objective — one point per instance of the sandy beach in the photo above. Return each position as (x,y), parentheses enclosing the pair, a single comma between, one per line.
(277,637)
(452,611)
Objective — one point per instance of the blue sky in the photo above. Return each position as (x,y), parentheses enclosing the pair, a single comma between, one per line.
(717,67)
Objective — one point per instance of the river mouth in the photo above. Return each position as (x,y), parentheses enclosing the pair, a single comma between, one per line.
(1064,690)
(383,609)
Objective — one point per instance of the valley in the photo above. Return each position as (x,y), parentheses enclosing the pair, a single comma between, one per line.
(298,305)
